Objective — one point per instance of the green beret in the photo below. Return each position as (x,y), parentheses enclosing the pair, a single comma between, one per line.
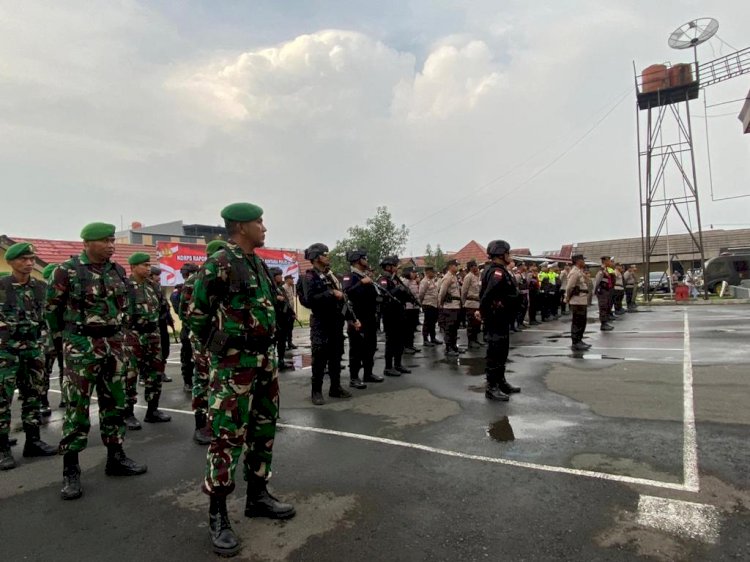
(214,246)
(98,231)
(139,258)
(47,271)
(241,212)
(19,250)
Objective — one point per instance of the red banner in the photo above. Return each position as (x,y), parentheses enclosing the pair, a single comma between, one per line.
(173,255)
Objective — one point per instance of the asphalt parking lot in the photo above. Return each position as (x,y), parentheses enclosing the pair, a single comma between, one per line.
(637,449)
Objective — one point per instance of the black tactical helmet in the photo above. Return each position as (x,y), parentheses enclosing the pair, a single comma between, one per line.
(497,248)
(188,269)
(276,271)
(389,260)
(315,251)
(356,255)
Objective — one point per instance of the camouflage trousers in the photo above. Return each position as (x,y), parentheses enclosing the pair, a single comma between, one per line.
(201,377)
(243,409)
(26,371)
(93,364)
(143,357)
(53,352)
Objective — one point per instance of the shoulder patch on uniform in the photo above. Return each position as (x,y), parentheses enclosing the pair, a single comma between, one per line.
(346,278)
(383,282)
(498,273)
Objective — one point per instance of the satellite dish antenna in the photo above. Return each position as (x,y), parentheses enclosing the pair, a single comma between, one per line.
(693,33)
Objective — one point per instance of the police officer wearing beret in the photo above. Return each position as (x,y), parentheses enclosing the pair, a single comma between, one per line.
(363,296)
(498,300)
(393,309)
(330,310)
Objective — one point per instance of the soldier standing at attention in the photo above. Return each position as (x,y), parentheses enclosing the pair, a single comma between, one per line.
(363,296)
(52,353)
(394,316)
(522,282)
(563,288)
(604,284)
(428,294)
(22,338)
(449,302)
(470,299)
(631,281)
(409,279)
(330,310)
(201,360)
(577,296)
(618,294)
(86,301)
(284,319)
(187,367)
(165,320)
(497,300)
(231,311)
(143,341)
(291,298)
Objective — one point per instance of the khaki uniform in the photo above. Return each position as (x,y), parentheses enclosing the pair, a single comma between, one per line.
(428,297)
(449,302)
(470,299)
(577,295)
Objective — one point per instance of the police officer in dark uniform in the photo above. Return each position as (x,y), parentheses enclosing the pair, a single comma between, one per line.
(284,319)
(330,309)
(497,302)
(394,316)
(363,296)
(187,366)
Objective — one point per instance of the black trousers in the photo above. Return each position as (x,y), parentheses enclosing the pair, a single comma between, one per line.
(429,323)
(578,322)
(473,326)
(497,337)
(605,304)
(412,320)
(327,339)
(618,297)
(362,346)
(523,307)
(449,319)
(187,366)
(630,297)
(393,324)
(534,305)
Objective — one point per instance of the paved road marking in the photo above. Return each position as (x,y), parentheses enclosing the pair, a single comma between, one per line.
(594,346)
(687,519)
(690,442)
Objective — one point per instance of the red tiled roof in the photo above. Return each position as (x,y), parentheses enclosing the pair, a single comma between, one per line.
(520,252)
(57,251)
(472,251)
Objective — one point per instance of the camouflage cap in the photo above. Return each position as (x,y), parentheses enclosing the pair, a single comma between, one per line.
(97,231)
(139,258)
(47,271)
(214,246)
(241,212)
(20,250)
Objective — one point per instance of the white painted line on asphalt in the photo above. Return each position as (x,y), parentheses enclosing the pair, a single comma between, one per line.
(690,441)
(599,347)
(690,520)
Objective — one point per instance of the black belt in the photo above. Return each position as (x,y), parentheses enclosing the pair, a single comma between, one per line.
(250,343)
(93,331)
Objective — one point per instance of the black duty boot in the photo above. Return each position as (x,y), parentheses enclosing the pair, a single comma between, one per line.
(155,415)
(165,377)
(372,377)
(337,391)
(71,489)
(35,447)
(579,346)
(437,341)
(391,372)
(493,392)
(506,387)
(131,422)
(6,458)
(118,464)
(260,502)
(223,538)
(357,383)
(403,370)
(202,434)
(427,343)
(607,327)
(317,393)
(12,441)
(45,410)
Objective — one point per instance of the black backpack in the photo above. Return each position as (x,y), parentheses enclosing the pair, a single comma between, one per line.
(302,290)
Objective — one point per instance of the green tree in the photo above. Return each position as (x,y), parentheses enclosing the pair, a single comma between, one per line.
(380,237)
(434,258)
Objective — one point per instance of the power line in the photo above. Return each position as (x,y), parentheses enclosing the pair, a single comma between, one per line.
(540,171)
(494,180)
(730,101)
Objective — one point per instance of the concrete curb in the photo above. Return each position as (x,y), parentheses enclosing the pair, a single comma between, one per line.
(697,302)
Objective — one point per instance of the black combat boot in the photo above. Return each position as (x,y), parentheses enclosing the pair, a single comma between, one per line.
(317,393)
(45,410)
(223,538)
(202,434)
(336,390)
(403,370)
(437,341)
(493,391)
(118,464)
(71,489)
(372,377)
(131,422)
(12,441)
(391,372)
(260,502)
(427,343)
(357,383)
(606,327)
(6,458)
(506,387)
(35,447)
(154,414)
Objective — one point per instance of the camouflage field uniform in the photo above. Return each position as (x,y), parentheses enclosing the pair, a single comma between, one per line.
(22,337)
(232,311)
(86,302)
(142,340)
(200,355)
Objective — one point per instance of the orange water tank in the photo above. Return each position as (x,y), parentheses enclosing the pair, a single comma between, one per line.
(655,78)
(680,75)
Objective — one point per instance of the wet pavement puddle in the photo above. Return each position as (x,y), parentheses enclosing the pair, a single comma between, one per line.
(501,430)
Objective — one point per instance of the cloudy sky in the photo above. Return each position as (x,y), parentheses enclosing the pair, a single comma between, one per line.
(467,119)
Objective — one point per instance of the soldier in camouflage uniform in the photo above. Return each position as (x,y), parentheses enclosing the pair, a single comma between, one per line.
(232,313)
(52,353)
(143,341)
(22,336)
(200,385)
(86,301)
